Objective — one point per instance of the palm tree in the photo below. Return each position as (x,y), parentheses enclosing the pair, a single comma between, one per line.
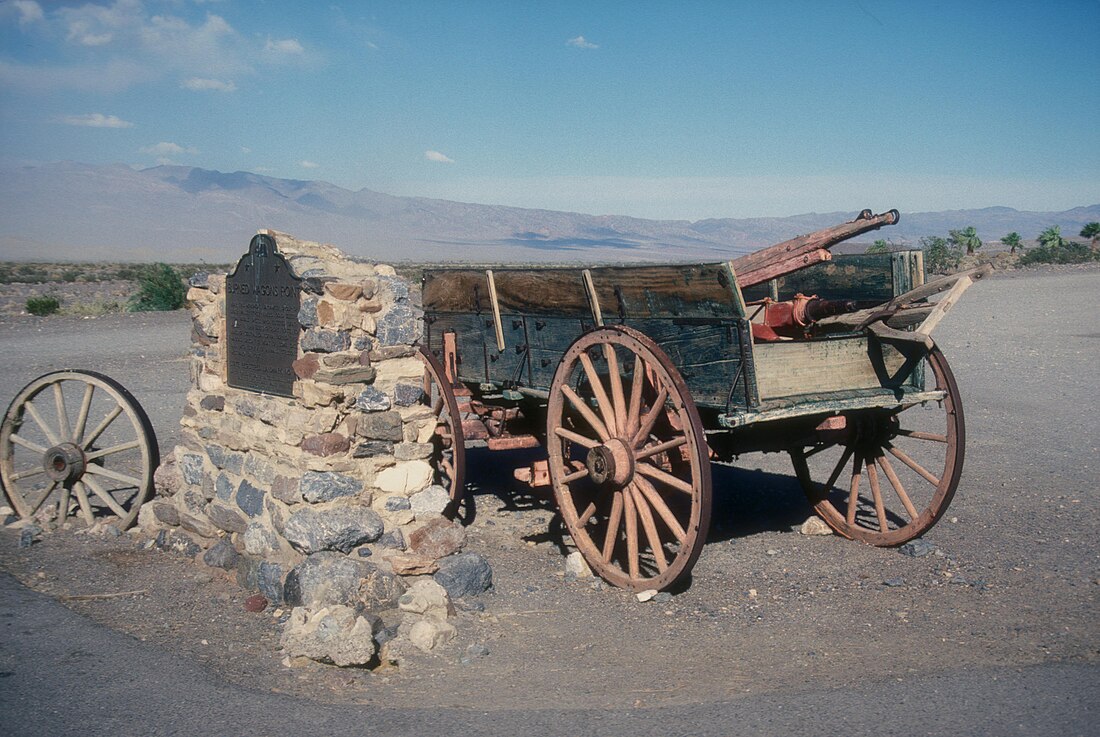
(1012,240)
(1051,237)
(1092,232)
(966,238)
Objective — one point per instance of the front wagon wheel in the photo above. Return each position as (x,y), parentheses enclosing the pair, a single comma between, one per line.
(885,476)
(628,459)
(78,442)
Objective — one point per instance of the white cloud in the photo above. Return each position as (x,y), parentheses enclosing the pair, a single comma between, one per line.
(284,46)
(96,120)
(581,42)
(438,157)
(306,164)
(114,75)
(28,10)
(198,84)
(245,150)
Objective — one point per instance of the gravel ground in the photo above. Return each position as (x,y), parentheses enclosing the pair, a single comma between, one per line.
(1014,582)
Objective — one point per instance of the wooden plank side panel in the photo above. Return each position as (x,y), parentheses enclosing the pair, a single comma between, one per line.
(862,277)
(673,290)
(470,339)
(510,365)
(814,367)
(708,356)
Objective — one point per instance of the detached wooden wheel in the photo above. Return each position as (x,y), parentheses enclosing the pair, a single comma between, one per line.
(628,459)
(449,457)
(77,441)
(886,476)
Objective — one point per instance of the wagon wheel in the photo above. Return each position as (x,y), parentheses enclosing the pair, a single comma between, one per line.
(77,441)
(888,474)
(449,455)
(628,459)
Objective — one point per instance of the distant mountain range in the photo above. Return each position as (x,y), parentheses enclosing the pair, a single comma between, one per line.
(81,212)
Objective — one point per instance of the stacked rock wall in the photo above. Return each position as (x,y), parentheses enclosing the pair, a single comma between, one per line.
(325,498)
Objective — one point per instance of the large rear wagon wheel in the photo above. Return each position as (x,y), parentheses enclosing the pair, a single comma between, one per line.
(79,442)
(449,455)
(887,476)
(628,459)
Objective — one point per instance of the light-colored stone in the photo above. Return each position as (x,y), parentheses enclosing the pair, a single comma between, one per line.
(646,595)
(427,598)
(210,382)
(410,564)
(815,526)
(576,565)
(405,478)
(432,500)
(333,634)
(429,634)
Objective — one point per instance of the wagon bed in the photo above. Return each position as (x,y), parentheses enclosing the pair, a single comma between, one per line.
(636,378)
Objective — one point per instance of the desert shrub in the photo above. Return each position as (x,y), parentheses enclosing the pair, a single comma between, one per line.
(940,256)
(160,289)
(1059,252)
(43,305)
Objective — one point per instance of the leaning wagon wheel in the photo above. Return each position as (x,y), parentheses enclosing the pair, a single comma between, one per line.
(77,441)
(449,455)
(888,475)
(628,459)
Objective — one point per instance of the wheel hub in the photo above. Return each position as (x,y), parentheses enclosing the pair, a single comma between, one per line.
(64,463)
(610,463)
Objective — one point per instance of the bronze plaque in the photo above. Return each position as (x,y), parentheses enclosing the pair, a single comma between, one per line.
(261,320)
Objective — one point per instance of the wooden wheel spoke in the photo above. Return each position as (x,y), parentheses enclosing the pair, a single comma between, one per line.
(904,458)
(113,449)
(592,508)
(652,450)
(27,474)
(588,415)
(606,410)
(838,469)
(33,412)
(650,418)
(24,443)
(107,499)
(650,528)
(636,386)
(82,416)
(631,518)
(63,504)
(611,536)
(898,488)
(102,426)
(658,503)
(917,434)
(45,495)
(65,431)
(853,494)
(664,477)
(571,477)
(85,506)
(577,438)
(113,475)
(876,493)
(618,399)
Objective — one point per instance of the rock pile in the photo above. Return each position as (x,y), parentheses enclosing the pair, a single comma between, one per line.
(295,494)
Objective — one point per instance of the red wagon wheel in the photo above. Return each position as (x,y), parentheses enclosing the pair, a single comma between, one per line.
(449,457)
(77,442)
(888,475)
(628,459)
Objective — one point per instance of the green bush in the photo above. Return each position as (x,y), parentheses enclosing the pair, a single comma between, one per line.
(43,305)
(160,289)
(1059,252)
(940,256)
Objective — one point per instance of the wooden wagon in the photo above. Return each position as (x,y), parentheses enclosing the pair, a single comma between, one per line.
(636,378)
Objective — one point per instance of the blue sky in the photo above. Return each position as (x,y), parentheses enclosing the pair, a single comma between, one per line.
(655,109)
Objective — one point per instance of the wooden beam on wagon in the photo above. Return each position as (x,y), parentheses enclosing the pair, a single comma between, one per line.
(497,325)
